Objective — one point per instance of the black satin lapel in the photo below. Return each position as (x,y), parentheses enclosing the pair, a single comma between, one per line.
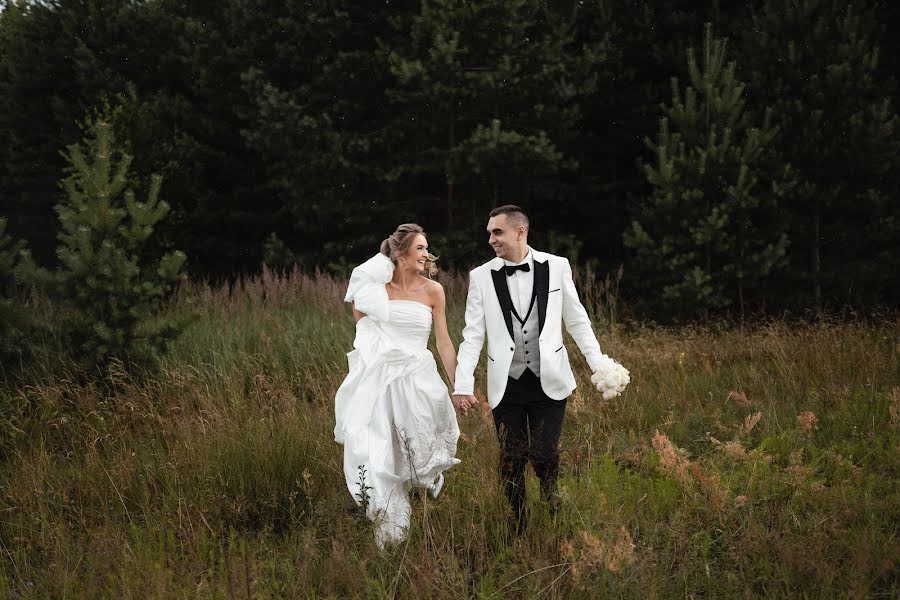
(503,296)
(542,287)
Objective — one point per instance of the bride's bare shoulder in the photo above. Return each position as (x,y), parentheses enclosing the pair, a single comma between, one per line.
(433,288)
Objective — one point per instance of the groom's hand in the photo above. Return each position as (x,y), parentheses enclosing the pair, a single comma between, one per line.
(463,402)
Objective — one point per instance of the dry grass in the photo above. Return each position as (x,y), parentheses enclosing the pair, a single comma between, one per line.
(754,463)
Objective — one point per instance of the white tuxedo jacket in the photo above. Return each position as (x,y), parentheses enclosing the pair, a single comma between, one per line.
(488,313)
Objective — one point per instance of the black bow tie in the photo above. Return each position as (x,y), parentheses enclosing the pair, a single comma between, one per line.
(510,269)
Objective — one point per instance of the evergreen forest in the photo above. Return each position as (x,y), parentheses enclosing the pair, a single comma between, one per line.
(714,157)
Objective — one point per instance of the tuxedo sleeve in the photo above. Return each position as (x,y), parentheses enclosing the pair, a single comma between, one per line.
(473,340)
(578,324)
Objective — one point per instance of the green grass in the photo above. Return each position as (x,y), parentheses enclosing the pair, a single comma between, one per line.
(219,477)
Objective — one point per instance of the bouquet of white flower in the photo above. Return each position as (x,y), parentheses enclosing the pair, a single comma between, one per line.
(610,378)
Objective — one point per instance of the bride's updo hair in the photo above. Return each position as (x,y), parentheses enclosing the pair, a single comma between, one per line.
(398,243)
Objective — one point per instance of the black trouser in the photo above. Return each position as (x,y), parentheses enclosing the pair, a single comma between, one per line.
(529,424)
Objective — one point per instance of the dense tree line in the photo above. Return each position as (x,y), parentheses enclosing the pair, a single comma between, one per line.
(734,156)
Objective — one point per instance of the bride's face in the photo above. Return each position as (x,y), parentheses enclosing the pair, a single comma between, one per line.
(417,254)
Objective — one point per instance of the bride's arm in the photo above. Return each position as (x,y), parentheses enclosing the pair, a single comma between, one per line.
(356,314)
(442,338)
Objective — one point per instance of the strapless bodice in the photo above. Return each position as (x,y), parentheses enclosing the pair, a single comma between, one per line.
(409,324)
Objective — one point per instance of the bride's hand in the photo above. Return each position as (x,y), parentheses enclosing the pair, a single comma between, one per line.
(463,402)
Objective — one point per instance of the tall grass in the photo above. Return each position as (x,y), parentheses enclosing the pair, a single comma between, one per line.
(758,463)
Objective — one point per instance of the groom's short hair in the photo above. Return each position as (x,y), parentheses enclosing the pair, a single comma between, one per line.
(514,214)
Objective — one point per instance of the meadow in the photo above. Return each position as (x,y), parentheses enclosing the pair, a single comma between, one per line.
(756,461)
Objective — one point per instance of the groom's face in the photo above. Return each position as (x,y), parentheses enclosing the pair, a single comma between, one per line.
(507,240)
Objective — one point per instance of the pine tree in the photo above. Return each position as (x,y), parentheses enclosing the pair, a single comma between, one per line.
(111,286)
(485,92)
(710,230)
(14,321)
(320,128)
(817,64)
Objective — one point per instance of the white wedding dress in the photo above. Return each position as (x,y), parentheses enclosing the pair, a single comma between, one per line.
(393,413)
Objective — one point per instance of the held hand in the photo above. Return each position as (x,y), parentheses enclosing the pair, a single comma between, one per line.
(463,402)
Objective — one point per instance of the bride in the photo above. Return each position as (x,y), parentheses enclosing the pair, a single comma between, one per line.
(393,413)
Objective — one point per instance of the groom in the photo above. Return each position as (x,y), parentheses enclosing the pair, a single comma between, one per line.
(520,300)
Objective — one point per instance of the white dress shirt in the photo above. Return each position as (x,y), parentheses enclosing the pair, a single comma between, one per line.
(521,284)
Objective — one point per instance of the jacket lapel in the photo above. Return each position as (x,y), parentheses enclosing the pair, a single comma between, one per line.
(541,288)
(502,290)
